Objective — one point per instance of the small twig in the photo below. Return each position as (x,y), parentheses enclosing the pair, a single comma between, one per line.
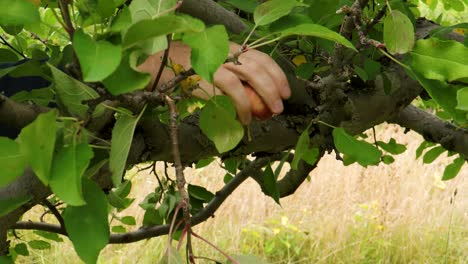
(180,178)
(5,42)
(163,64)
(63,5)
(376,19)
(167,87)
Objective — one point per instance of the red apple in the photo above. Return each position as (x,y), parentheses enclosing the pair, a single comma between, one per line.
(258,107)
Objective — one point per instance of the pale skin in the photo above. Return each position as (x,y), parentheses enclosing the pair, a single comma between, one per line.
(256,68)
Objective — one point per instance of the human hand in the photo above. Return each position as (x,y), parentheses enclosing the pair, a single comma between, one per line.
(257,71)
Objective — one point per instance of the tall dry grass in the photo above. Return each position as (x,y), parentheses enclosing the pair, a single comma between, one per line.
(400,213)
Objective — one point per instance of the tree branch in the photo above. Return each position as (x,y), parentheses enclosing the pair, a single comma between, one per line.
(18,115)
(433,129)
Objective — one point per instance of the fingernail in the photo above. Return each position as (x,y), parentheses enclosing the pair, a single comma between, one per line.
(278,107)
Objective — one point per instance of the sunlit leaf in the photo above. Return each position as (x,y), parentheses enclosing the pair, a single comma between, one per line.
(209,49)
(87,225)
(363,152)
(315,30)
(161,26)
(272,10)
(12,161)
(443,60)
(398,33)
(462,99)
(37,142)
(218,122)
(69,166)
(122,136)
(18,12)
(98,59)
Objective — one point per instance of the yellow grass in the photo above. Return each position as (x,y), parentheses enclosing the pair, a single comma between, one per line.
(400,213)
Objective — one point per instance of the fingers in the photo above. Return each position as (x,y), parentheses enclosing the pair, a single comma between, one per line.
(257,75)
(232,86)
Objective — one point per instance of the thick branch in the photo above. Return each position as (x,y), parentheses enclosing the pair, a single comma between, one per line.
(18,115)
(433,129)
(212,13)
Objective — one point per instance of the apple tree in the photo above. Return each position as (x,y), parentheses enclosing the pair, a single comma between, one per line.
(81,116)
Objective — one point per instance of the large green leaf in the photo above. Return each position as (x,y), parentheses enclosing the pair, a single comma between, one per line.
(18,12)
(443,60)
(37,142)
(126,79)
(68,168)
(363,152)
(398,33)
(12,161)
(444,94)
(210,49)
(462,99)
(122,136)
(319,31)
(160,26)
(98,59)
(8,205)
(72,92)
(218,122)
(273,10)
(87,225)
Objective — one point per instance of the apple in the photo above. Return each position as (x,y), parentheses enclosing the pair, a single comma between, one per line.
(258,107)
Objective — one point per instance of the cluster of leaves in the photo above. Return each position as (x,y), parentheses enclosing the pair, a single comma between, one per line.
(110,39)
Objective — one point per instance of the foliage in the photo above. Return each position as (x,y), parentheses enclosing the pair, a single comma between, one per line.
(90,51)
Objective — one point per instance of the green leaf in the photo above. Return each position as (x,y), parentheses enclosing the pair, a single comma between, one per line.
(453,168)
(48,235)
(388,159)
(218,122)
(398,33)
(37,142)
(18,12)
(42,96)
(269,183)
(87,225)
(432,154)
(443,60)
(160,26)
(304,151)
(363,152)
(319,31)
(128,220)
(273,10)
(8,205)
(147,9)
(422,146)
(39,244)
(200,193)
(118,229)
(68,168)
(204,162)
(21,249)
(98,59)
(12,161)
(443,93)
(209,49)
(122,136)
(123,20)
(126,79)
(6,260)
(72,92)
(392,147)
(462,99)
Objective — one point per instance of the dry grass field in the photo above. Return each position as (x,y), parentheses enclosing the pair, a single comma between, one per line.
(400,213)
